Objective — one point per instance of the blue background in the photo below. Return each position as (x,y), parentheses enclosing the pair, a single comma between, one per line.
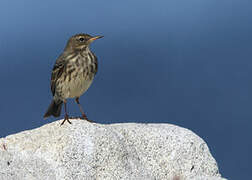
(185,62)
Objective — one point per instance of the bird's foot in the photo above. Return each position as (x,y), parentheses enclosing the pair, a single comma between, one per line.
(66,119)
(85,118)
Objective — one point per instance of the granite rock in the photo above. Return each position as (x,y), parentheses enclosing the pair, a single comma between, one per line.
(91,151)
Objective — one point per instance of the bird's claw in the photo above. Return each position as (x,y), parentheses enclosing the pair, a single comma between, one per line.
(66,119)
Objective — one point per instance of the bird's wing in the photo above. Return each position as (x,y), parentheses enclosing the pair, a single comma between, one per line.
(57,71)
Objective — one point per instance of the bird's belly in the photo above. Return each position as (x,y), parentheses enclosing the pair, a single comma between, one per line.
(76,86)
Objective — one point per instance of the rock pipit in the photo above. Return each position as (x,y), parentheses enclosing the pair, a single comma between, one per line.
(72,74)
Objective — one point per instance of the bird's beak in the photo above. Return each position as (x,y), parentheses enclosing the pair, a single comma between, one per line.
(94,38)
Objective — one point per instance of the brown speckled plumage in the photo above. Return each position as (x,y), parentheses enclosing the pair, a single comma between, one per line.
(72,73)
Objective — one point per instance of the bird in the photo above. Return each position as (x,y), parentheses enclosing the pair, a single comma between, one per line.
(72,74)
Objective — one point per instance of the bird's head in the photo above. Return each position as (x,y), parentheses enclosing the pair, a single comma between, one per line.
(80,41)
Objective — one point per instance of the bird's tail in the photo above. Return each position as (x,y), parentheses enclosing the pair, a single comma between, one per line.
(54,108)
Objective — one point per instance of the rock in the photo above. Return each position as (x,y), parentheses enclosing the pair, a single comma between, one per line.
(90,151)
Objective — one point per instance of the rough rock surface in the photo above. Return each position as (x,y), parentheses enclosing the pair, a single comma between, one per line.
(89,151)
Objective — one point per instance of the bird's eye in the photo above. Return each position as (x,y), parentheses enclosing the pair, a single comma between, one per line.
(81,39)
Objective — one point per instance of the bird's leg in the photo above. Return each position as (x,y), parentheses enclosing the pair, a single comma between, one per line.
(81,110)
(66,115)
